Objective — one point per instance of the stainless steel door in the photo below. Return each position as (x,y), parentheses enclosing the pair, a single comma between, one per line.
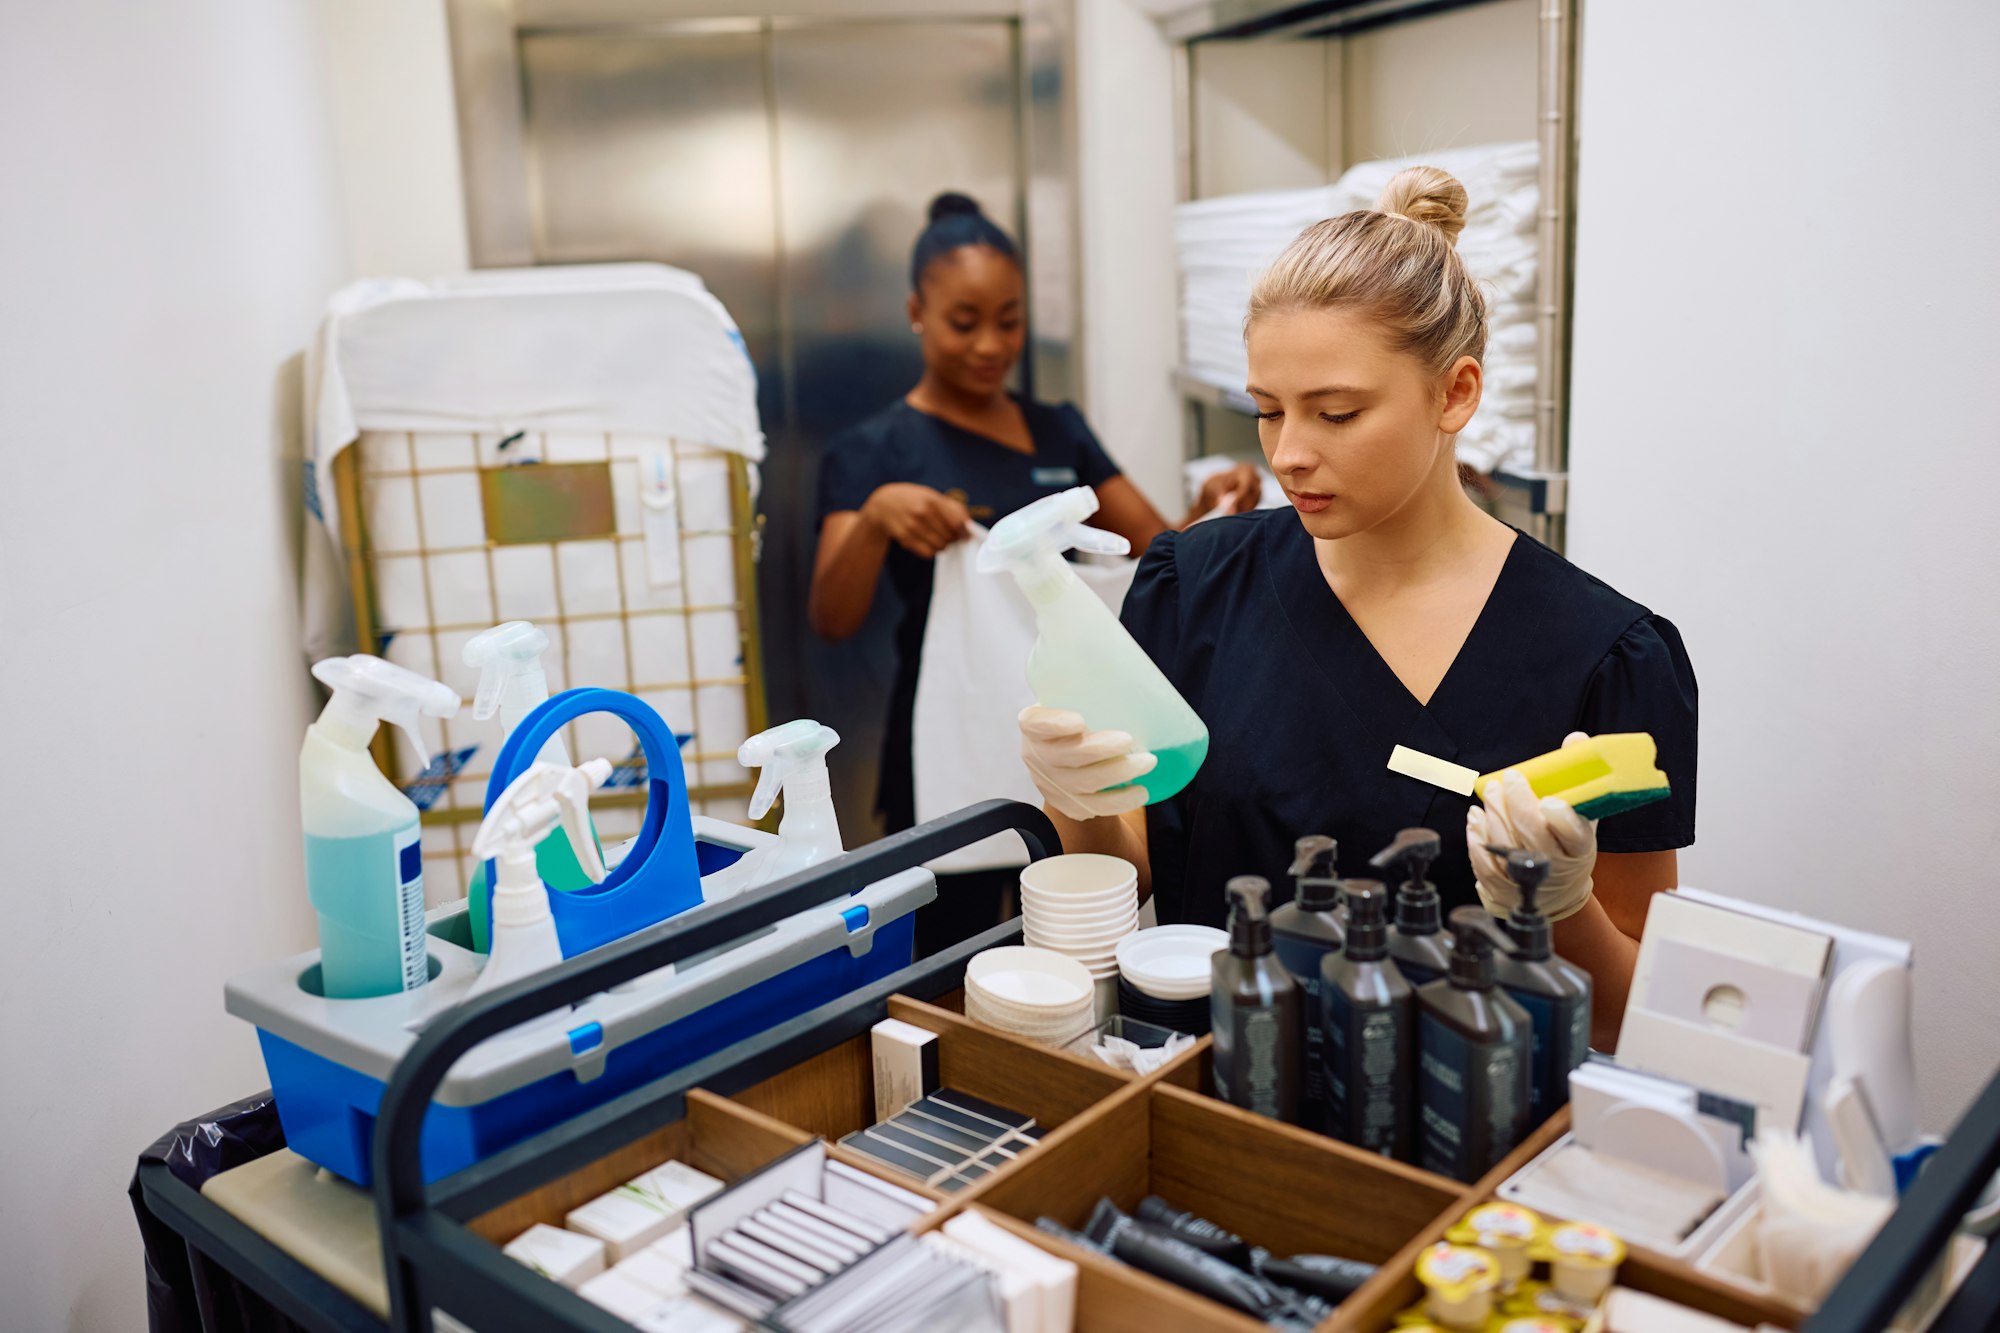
(789,164)
(873,120)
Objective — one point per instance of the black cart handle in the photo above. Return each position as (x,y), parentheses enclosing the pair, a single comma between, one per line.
(398,1147)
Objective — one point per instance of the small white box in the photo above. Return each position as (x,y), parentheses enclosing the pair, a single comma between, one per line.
(655,1272)
(620,1295)
(627,1223)
(676,1247)
(680,1184)
(564,1256)
(906,1065)
(643,1210)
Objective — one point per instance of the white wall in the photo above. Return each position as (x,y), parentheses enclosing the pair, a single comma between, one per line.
(1783,440)
(1463,77)
(1130,305)
(168,234)
(395,136)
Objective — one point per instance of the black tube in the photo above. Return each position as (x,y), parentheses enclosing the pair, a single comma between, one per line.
(1167,1256)
(1321,1275)
(1196,1231)
(1054,1228)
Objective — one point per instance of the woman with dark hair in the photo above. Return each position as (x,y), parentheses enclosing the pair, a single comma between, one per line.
(958,448)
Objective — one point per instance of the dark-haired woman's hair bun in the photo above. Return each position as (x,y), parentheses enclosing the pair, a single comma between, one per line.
(953,204)
(956,220)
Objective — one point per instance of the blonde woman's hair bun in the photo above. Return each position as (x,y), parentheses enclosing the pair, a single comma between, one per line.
(1428,195)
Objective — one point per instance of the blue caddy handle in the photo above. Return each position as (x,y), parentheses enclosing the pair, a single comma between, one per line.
(658,877)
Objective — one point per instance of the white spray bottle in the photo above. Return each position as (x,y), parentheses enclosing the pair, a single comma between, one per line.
(543,800)
(364,850)
(1083,660)
(512,684)
(793,760)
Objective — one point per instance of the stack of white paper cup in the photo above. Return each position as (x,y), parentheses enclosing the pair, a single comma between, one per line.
(1082,906)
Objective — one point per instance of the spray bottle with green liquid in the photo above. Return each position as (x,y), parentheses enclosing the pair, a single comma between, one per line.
(512,684)
(1083,660)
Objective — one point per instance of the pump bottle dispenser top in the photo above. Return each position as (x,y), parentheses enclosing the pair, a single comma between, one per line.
(1416,941)
(546,798)
(1304,931)
(1083,659)
(1255,1011)
(1555,992)
(792,759)
(364,853)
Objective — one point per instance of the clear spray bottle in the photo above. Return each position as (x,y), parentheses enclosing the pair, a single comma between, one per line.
(364,847)
(512,684)
(1083,660)
(792,759)
(549,802)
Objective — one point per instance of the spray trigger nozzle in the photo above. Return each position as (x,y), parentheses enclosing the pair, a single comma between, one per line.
(534,804)
(503,655)
(368,687)
(1047,528)
(781,753)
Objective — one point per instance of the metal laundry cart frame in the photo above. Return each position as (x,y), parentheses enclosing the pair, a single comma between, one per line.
(358,552)
(1547,484)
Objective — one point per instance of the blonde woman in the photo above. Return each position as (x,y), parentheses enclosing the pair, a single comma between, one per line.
(1384,609)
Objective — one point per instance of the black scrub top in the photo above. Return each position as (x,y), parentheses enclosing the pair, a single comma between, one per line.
(902,444)
(1302,712)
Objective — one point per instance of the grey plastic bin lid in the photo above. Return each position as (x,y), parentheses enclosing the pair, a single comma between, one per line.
(370,1036)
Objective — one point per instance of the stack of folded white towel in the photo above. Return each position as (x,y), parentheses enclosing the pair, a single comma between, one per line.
(1224,243)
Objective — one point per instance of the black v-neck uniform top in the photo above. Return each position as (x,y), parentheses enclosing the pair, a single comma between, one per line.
(902,444)
(1302,711)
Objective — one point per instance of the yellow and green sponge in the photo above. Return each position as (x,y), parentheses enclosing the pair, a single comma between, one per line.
(1605,775)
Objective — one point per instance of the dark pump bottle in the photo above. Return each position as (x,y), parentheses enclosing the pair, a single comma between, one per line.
(1368,1010)
(1254,1010)
(1304,931)
(1472,1051)
(1554,991)
(1416,935)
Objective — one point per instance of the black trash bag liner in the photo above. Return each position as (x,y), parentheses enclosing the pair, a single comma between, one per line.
(195,1152)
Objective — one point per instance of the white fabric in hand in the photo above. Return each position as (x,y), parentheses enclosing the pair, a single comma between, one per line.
(1514,817)
(1082,773)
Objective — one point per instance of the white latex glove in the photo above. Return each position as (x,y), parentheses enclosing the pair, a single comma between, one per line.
(1082,773)
(1513,816)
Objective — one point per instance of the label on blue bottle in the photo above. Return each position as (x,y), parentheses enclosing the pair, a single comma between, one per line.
(410,876)
(1302,959)
(1542,1041)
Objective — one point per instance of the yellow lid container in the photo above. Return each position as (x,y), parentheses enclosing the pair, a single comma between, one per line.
(1459,1281)
(1583,1261)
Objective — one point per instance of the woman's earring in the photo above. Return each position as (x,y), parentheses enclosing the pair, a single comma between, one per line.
(916,328)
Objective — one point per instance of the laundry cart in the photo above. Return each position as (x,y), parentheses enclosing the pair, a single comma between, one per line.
(575,446)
